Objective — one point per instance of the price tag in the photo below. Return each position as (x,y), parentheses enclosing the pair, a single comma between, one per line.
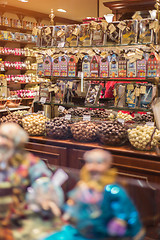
(143,89)
(59,177)
(150,124)
(86,118)
(130,87)
(61,44)
(43,100)
(121,120)
(61,109)
(67,117)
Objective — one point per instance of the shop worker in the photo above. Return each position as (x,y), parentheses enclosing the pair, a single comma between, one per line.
(98,208)
(18,170)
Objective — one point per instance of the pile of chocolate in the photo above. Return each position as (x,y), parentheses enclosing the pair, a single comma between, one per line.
(144,118)
(58,128)
(112,133)
(10,118)
(84,131)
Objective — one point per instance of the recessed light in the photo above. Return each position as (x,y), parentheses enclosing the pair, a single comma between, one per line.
(61,10)
(24,1)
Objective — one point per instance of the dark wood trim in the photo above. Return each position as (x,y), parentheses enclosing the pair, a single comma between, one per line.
(37,15)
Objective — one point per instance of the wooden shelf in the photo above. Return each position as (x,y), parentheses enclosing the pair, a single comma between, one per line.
(23,30)
(20,42)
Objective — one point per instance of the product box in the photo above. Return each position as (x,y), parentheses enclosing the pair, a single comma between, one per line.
(145,34)
(72,66)
(56,67)
(93,94)
(84,35)
(40,69)
(141,68)
(113,66)
(59,36)
(17,36)
(72,33)
(129,32)
(97,36)
(147,94)
(112,36)
(47,66)
(63,66)
(122,67)
(46,37)
(131,69)
(86,64)
(120,94)
(153,66)
(94,68)
(5,35)
(131,96)
(104,67)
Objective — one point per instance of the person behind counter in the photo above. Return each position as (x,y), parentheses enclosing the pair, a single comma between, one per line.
(98,208)
(18,170)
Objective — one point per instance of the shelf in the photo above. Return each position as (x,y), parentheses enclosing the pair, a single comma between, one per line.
(105,107)
(140,45)
(27,98)
(2,27)
(24,83)
(147,79)
(15,109)
(20,42)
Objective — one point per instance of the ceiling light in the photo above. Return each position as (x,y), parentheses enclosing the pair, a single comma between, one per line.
(109,17)
(61,10)
(23,1)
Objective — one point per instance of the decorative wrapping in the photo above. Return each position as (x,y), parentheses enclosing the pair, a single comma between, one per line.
(72,33)
(129,31)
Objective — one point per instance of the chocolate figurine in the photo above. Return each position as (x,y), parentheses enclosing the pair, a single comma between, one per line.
(99,208)
(20,170)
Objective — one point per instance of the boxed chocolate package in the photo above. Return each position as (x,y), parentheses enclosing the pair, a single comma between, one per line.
(72,66)
(141,68)
(145,34)
(113,66)
(129,31)
(47,66)
(56,71)
(97,35)
(131,69)
(131,96)
(112,35)
(63,66)
(93,94)
(84,35)
(147,94)
(72,33)
(46,36)
(104,67)
(153,66)
(86,66)
(94,69)
(122,67)
(59,36)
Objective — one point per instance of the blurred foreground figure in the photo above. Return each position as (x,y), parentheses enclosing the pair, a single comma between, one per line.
(19,170)
(98,208)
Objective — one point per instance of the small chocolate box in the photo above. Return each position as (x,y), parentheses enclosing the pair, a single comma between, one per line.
(64,66)
(104,68)
(56,71)
(72,33)
(113,66)
(129,31)
(93,94)
(86,66)
(131,98)
(97,35)
(153,66)
(47,65)
(131,69)
(59,36)
(84,35)
(94,69)
(141,68)
(122,67)
(145,34)
(72,66)
(147,95)
(112,35)
(47,36)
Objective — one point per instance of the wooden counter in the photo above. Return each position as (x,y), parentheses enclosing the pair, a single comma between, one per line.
(68,153)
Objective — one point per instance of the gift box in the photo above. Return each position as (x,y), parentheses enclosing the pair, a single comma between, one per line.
(131,96)
(86,64)
(104,67)
(46,37)
(93,94)
(84,35)
(129,31)
(72,34)
(145,34)
(47,66)
(63,66)
(131,69)
(112,35)
(113,66)
(59,36)
(141,68)
(97,34)
(72,66)
(94,67)
(153,66)
(122,67)
(56,68)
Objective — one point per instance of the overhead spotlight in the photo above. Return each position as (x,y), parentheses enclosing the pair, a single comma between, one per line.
(61,10)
